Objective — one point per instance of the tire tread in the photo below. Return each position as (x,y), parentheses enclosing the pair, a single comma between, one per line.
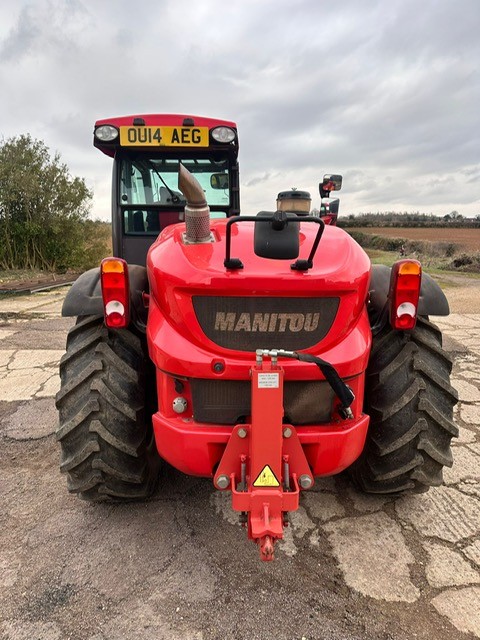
(106,440)
(410,401)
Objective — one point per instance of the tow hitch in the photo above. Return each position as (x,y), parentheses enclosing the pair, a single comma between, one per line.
(263,464)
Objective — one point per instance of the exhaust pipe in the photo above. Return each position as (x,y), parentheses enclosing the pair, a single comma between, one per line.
(197,211)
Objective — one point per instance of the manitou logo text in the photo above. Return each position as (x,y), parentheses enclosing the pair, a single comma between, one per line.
(266,322)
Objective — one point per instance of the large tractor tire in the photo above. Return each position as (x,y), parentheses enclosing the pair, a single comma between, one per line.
(105,432)
(410,402)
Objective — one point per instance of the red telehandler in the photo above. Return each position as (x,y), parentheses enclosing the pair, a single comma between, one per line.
(261,351)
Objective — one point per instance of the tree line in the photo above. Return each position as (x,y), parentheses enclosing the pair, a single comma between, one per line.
(44,211)
(395,219)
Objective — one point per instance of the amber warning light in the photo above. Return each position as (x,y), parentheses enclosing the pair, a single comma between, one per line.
(405,283)
(115,292)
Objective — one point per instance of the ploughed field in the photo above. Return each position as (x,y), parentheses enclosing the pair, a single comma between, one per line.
(467,238)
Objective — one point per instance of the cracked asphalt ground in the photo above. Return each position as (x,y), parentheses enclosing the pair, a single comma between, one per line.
(180,567)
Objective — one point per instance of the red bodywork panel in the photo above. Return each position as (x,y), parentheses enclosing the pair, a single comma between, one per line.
(196,449)
(181,350)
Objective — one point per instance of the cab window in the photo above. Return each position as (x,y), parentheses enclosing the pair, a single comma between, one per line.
(146,181)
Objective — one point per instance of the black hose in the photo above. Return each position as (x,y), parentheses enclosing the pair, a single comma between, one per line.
(340,388)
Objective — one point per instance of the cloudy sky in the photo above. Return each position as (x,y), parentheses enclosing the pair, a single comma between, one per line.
(385,92)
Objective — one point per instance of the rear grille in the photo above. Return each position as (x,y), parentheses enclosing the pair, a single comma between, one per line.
(250,323)
(228,401)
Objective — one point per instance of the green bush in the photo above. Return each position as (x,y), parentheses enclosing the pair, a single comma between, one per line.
(43,209)
(466,262)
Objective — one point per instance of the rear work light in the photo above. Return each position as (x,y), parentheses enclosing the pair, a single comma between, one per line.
(115,292)
(106,133)
(223,134)
(405,283)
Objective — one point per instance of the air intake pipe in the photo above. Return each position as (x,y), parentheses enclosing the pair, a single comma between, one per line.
(197,211)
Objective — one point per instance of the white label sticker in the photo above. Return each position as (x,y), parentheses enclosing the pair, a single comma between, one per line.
(268,380)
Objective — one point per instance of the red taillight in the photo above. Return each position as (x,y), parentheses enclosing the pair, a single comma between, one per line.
(405,282)
(115,292)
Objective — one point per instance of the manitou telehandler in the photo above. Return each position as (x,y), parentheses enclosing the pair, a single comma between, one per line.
(261,351)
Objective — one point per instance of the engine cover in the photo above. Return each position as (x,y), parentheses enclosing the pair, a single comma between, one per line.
(200,310)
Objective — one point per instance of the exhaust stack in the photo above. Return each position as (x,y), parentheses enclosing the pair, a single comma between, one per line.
(197,211)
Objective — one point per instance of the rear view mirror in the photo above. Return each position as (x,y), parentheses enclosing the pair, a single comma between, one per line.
(219,180)
(331,182)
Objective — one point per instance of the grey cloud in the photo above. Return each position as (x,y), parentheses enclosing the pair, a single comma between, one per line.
(256,180)
(21,38)
(42,28)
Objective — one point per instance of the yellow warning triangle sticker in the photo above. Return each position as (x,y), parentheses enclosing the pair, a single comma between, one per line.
(266,478)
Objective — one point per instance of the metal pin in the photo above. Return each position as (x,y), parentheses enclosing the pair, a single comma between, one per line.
(305,481)
(223,482)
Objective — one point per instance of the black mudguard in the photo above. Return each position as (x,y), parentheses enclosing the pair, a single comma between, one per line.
(85,296)
(432,301)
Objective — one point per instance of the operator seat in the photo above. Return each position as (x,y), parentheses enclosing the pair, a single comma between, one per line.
(157,220)
(138,223)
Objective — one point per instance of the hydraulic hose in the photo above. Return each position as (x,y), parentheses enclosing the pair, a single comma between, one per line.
(341,389)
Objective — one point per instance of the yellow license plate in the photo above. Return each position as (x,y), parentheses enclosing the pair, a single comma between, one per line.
(164,136)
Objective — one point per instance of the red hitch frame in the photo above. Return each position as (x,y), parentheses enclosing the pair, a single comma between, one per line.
(264,465)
